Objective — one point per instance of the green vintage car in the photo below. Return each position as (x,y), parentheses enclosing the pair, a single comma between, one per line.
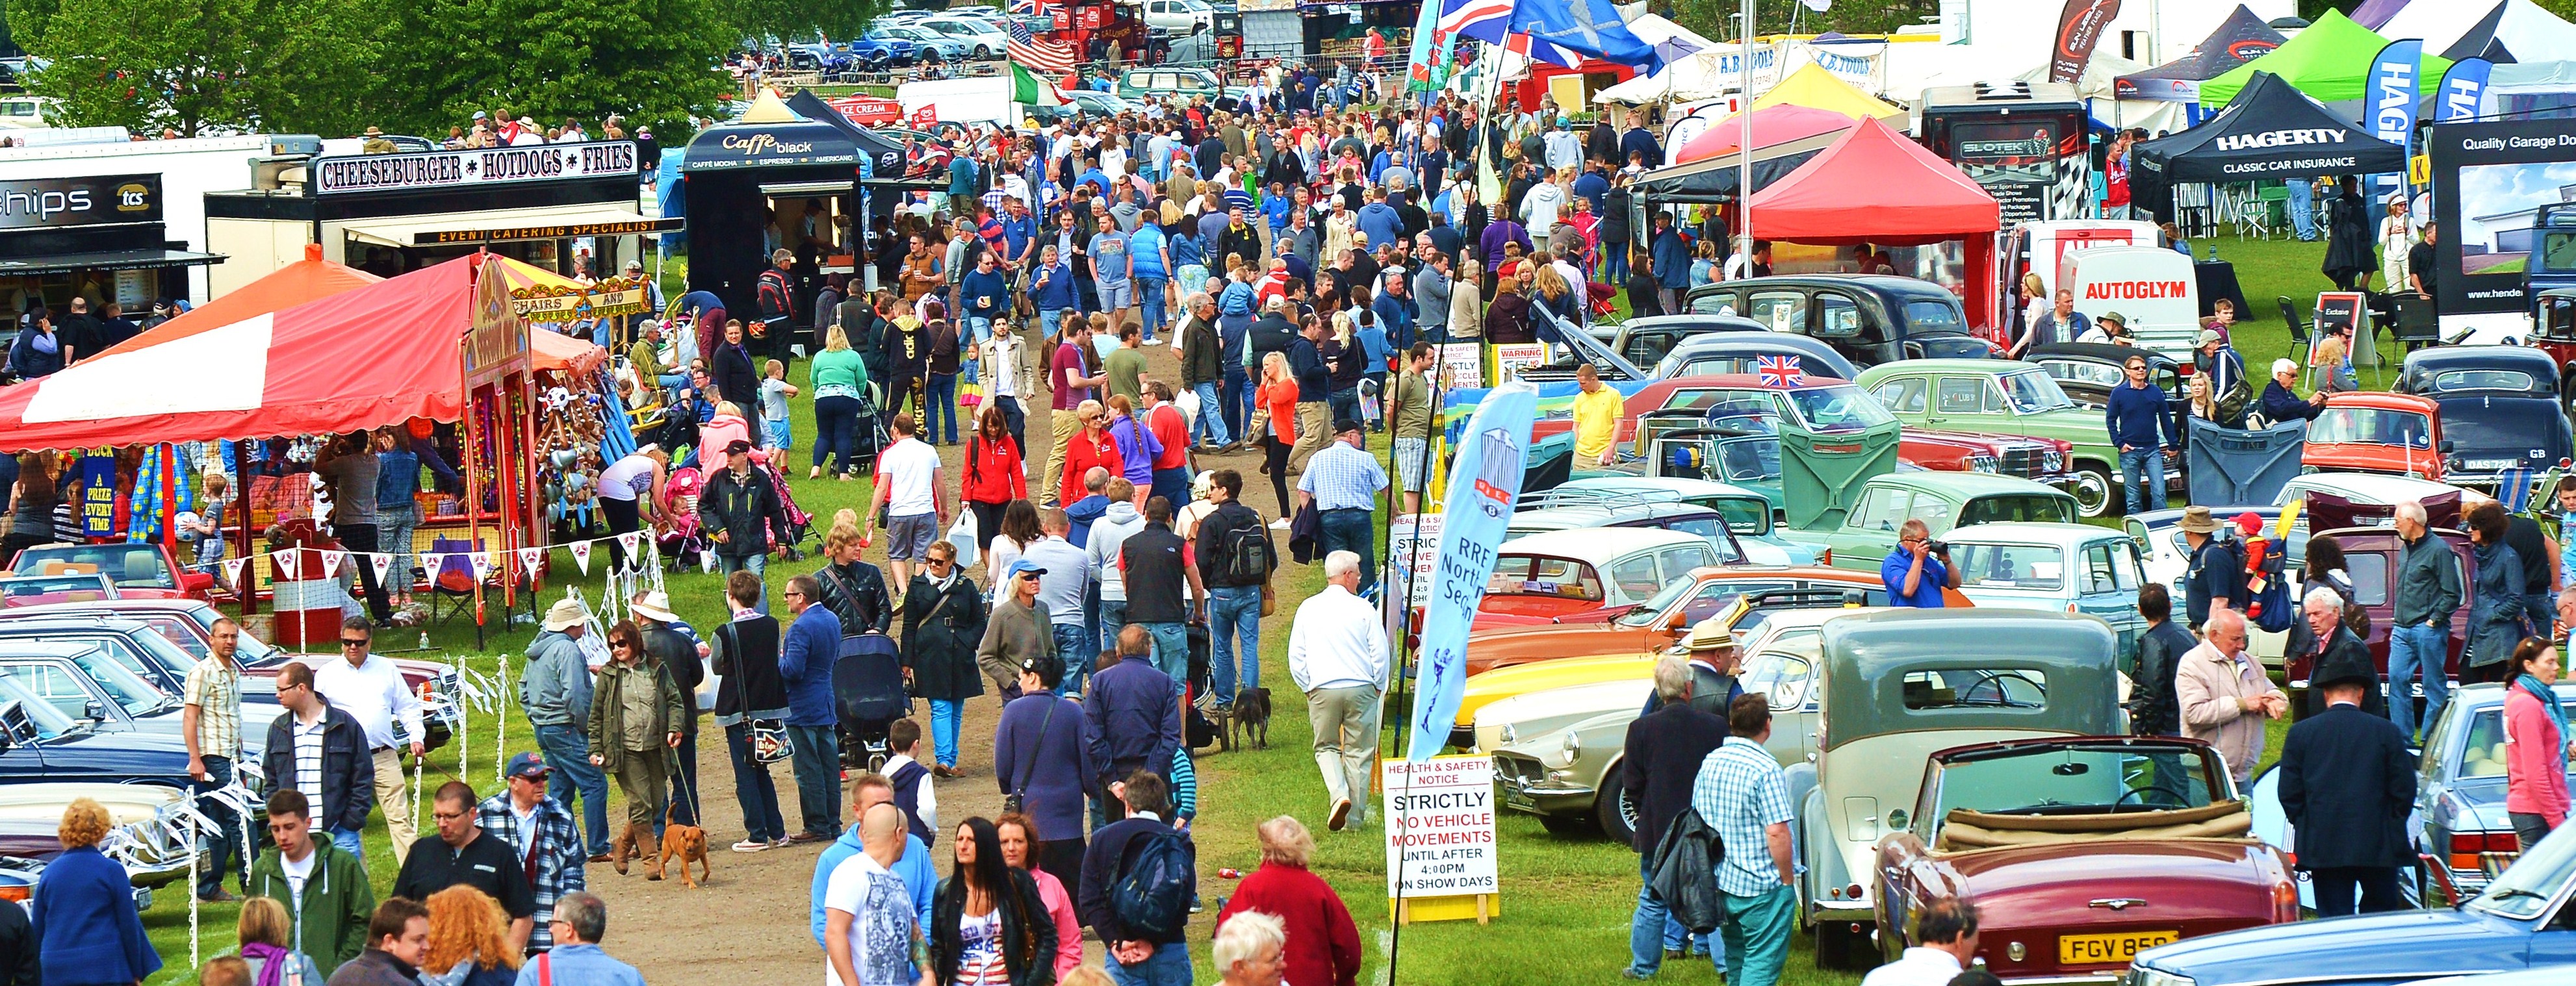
(1897,687)
(2006,397)
(1861,537)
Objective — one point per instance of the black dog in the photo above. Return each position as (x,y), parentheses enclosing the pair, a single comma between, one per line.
(1251,712)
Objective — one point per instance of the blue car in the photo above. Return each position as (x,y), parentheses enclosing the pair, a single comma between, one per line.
(39,744)
(877,50)
(2523,920)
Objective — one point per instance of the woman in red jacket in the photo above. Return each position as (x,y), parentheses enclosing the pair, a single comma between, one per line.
(1091,447)
(995,472)
(1323,945)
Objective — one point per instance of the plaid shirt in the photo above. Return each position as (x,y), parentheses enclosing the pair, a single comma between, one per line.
(558,867)
(214,687)
(1339,477)
(1740,792)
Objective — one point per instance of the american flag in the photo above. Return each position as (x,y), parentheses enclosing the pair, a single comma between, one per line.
(1780,371)
(1046,58)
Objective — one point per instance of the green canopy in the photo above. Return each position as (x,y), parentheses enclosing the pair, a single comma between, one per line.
(2329,60)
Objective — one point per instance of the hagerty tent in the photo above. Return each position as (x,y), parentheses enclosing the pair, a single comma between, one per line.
(2270,131)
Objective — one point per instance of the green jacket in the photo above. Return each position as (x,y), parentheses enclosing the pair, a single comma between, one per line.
(608,701)
(331,927)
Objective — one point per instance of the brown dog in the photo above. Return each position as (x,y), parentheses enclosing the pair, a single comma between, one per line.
(687,843)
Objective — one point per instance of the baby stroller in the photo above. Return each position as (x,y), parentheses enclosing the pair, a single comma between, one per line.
(867,688)
(678,536)
(799,522)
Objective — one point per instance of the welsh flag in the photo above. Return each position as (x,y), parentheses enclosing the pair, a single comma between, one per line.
(1027,88)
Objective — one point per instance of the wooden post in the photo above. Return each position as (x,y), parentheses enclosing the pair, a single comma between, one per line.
(1484,908)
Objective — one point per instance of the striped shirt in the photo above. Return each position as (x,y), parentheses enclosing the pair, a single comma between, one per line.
(1340,477)
(1741,792)
(308,758)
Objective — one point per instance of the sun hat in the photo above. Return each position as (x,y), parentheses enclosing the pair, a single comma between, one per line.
(2197,520)
(565,614)
(656,605)
(1710,634)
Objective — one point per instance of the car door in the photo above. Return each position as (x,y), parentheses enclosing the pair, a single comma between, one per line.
(1679,561)
(1780,310)
(2106,582)
(1959,398)
(1784,669)
(1860,542)
(67,690)
(1842,323)
(1717,303)
(1904,397)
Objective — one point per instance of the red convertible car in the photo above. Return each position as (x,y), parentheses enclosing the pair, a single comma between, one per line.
(2079,852)
(140,571)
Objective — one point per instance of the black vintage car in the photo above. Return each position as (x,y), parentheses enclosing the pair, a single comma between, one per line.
(2087,371)
(1646,341)
(1742,352)
(2500,410)
(1869,318)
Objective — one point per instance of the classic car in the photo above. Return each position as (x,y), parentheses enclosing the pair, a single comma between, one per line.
(140,571)
(2087,371)
(2459,790)
(2069,568)
(1668,516)
(1646,341)
(139,648)
(1561,759)
(1486,688)
(2370,556)
(1864,536)
(2382,489)
(2369,431)
(1896,687)
(2079,852)
(1706,432)
(84,680)
(2009,398)
(21,591)
(150,838)
(1169,80)
(39,743)
(878,51)
(1746,512)
(1706,355)
(2522,920)
(2500,411)
(1664,618)
(1870,319)
(1580,574)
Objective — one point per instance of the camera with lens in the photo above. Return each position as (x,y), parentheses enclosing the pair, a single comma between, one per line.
(1941,548)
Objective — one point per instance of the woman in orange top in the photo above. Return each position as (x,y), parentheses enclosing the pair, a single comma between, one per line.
(1092,447)
(1277,394)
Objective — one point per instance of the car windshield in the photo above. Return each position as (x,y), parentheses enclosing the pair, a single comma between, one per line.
(36,589)
(1750,460)
(1540,575)
(1655,605)
(49,721)
(2524,890)
(1932,316)
(1732,403)
(1785,667)
(2033,391)
(128,565)
(2371,426)
(2082,371)
(137,696)
(2011,566)
(2010,507)
(1846,408)
(1744,515)
(2075,780)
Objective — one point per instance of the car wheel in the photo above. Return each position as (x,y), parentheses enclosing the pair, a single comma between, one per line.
(982,53)
(1616,813)
(1566,825)
(2095,494)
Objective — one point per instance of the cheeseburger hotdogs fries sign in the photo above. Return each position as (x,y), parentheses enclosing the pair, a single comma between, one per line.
(351,174)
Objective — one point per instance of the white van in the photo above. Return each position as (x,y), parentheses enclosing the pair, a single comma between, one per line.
(2041,248)
(2150,286)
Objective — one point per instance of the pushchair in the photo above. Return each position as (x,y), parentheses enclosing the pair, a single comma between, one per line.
(867,691)
(799,522)
(678,535)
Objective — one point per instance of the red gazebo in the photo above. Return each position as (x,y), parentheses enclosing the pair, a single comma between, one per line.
(1877,186)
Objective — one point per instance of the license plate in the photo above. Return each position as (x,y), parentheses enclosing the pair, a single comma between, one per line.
(2109,949)
(1514,799)
(2491,463)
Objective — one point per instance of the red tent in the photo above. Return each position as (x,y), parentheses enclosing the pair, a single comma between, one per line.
(1875,186)
(314,348)
(1772,125)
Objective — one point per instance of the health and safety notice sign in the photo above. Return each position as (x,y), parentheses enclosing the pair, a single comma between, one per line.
(1440,827)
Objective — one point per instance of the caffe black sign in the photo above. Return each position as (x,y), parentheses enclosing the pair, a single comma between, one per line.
(97,200)
(473,169)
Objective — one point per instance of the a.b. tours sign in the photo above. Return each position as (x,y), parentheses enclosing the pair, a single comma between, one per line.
(482,167)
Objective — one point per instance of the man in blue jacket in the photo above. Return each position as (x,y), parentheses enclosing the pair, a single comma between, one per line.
(1131,718)
(2143,429)
(1051,289)
(805,664)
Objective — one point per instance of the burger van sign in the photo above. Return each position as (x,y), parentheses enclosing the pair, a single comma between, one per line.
(479,168)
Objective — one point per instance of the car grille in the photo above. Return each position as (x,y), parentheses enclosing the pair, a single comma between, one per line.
(1518,772)
(2029,459)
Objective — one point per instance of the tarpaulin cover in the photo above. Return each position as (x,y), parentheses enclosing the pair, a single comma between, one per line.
(309,279)
(2241,38)
(555,351)
(2235,465)
(377,354)
(2272,131)
(1874,186)
(2329,60)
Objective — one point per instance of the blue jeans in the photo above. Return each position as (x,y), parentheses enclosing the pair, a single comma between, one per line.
(1211,425)
(836,432)
(1234,614)
(940,403)
(1168,966)
(818,777)
(1171,649)
(1047,320)
(757,565)
(225,842)
(2414,650)
(1073,647)
(1238,402)
(1652,930)
(1112,616)
(1345,404)
(2303,208)
(1149,304)
(349,842)
(1614,263)
(754,788)
(1353,530)
(944,713)
(2142,470)
(394,528)
(568,752)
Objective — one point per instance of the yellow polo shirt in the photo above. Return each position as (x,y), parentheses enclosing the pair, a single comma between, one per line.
(1596,422)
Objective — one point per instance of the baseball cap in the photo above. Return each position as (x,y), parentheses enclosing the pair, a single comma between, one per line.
(737,447)
(2207,336)
(1022,567)
(1345,426)
(529,765)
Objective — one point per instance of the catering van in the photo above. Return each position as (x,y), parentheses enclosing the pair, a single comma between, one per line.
(2041,248)
(2150,286)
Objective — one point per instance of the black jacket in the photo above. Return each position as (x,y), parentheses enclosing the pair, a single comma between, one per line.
(17,948)
(2346,783)
(1028,933)
(940,633)
(2153,710)
(1200,347)
(745,507)
(1664,754)
(746,666)
(857,594)
(737,379)
(348,768)
(681,659)
(2217,572)
(2343,654)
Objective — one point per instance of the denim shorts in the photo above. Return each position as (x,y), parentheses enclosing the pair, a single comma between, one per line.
(1117,296)
(908,536)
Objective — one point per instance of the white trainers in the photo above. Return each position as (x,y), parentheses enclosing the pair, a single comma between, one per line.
(751,845)
(1279,525)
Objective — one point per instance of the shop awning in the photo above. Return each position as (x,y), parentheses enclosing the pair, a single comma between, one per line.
(508,225)
(106,260)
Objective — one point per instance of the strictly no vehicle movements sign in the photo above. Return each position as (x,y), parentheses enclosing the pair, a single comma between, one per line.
(1440,827)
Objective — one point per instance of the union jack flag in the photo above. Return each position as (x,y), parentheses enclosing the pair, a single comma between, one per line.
(1024,6)
(1780,371)
(1047,59)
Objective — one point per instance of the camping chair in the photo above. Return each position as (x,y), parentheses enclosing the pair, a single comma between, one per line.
(2299,328)
(451,580)
(2416,325)
(2275,200)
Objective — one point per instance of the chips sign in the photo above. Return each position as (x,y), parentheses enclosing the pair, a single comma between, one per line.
(1440,827)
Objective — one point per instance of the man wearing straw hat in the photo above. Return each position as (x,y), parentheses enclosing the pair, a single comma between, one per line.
(1711,651)
(555,693)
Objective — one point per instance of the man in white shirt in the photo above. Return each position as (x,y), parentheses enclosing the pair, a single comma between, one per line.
(1337,653)
(872,936)
(371,690)
(908,491)
(1947,929)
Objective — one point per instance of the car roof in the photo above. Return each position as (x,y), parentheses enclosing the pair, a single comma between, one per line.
(1679,485)
(1697,320)
(1889,283)
(2371,487)
(1861,654)
(1749,381)
(35,622)
(1598,542)
(44,648)
(2434,358)
(92,607)
(2032,532)
(1788,343)
(1808,616)
(1996,367)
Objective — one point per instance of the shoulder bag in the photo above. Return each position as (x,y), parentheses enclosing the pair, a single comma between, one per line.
(1017,801)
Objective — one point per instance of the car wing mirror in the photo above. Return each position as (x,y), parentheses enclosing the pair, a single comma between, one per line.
(1896,819)
(93,711)
(196,581)
(2448,446)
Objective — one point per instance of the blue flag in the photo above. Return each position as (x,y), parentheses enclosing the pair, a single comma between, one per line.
(1484,482)
(2394,90)
(2462,88)
(1564,33)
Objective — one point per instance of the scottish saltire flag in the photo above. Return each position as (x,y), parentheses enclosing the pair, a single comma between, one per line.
(1568,31)
(1484,482)
(1780,371)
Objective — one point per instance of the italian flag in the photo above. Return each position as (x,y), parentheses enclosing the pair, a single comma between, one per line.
(1027,88)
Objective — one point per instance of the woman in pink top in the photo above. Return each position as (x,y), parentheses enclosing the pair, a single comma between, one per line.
(1018,834)
(2535,731)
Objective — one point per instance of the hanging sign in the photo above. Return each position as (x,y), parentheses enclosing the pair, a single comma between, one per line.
(94,490)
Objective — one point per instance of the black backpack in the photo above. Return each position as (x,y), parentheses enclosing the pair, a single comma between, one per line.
(1152,895)
(1245,554)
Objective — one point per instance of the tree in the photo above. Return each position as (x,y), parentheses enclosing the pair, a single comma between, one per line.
(196,66)
(644,59)
(1716,18)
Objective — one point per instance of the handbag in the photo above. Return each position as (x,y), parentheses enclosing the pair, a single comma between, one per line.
(770,742)
(1017,802)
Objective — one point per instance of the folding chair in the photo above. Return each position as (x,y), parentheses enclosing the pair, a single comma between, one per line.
(451,579)
(2299,329)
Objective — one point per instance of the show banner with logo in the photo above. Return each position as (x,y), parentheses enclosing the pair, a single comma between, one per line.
(61,203)
(482,168)
(2394,94)
(2079,27)
(1440,839)
(1484,483)
(2490,184)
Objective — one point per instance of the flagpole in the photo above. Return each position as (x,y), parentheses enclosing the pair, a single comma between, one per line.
(1744,146)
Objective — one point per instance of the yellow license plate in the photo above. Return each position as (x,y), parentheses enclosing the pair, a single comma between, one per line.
(2109,949)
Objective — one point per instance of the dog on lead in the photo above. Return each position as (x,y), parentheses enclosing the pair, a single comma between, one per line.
(1249,713)
(686,843)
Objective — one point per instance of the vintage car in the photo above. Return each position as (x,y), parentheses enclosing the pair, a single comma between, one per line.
(140,571)
(1816,402)
(2009,398)
(39,743)
(2500,411)
(1589,573)
(151,832)
(2067,568)
(1746,512)
(1486,689)
(1870,319)
(1731,352)
(1726,438)
(1896,687)
(141,650)
(1867,533)
(2078,852)
(2522,920)
(2369,431)
(2087,371)
(1664,618)
(1647,341)
(1562,760)
(1668,516)
(2459,812)
(18,592)
(2370,556)
(84,680)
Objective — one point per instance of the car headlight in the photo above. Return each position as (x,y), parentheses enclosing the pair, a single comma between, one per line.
(1981,463)
(1573,746)
(2144,976)
(2052,461)
(1508,735)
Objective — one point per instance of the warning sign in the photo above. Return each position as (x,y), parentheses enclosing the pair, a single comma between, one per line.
(1440,827)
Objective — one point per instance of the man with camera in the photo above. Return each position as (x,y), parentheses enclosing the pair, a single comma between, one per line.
(1918,569)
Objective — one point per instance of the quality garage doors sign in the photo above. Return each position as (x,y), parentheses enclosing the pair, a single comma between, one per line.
(471,169)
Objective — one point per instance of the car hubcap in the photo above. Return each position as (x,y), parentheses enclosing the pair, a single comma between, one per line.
(1627,811)
(2092,494)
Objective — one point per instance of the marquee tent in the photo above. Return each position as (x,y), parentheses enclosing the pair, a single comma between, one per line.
(2241,38)
(1772,126)
(2098,83)
(2270,131)
(2512,31)
(2330,60)
(2373,14)
(1784,137)
(309,279)
(1813,87)
(1874,185)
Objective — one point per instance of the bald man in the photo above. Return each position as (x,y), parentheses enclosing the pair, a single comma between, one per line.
(2224,694)
(867,909)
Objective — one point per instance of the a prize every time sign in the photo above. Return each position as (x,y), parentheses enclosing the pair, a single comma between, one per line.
(1440,849)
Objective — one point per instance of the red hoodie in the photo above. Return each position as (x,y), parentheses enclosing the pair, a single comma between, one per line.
(993,471)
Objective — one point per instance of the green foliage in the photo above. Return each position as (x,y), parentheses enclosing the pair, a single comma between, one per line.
(196,65)
(549,61)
